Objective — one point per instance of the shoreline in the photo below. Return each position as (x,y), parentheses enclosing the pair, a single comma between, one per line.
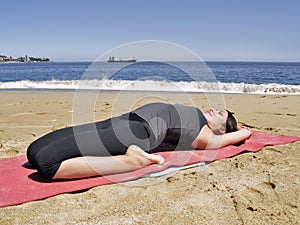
(70,90)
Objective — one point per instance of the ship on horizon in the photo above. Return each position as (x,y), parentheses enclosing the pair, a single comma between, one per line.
(114,59)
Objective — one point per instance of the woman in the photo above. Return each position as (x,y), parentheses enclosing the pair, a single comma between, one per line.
(126,143)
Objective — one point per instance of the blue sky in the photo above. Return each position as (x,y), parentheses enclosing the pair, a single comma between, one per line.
(265,30)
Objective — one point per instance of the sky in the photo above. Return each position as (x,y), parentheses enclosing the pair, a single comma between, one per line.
(215,30)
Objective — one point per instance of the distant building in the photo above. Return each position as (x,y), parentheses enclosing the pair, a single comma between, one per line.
(4,59)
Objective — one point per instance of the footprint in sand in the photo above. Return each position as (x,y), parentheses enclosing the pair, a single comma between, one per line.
(291,114)
(254,198)
(22,114)
(283,96)
(172,179)
(258,192)
(269,128)
(267,185)
(253,193)
(11,152)
(41,113)
(192,175)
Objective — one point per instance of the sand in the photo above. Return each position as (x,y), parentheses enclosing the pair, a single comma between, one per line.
(251,188)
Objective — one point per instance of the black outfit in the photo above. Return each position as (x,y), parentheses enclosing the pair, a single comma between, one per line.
(153,127)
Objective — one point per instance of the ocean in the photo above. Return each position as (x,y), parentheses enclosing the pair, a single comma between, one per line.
(221,77)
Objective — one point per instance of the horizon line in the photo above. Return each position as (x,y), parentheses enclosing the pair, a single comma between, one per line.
(255,61)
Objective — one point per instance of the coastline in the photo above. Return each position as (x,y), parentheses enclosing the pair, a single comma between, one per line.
(251,188)
(73,90)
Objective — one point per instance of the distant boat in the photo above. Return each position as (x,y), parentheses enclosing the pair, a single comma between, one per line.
(114,59)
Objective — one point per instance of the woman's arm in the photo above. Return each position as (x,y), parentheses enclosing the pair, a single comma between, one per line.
(208,140)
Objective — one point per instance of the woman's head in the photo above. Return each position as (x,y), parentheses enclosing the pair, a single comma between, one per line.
(231,124)
(221,121)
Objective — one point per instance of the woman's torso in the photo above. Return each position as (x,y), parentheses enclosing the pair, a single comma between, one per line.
(172,126)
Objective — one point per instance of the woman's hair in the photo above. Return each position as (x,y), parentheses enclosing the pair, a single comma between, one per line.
(231,124)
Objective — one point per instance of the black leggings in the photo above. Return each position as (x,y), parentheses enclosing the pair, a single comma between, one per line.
(105,138)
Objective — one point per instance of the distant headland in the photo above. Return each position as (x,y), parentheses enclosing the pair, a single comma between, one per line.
(25,59)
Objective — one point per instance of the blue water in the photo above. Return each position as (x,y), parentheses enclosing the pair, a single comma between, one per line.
(257,72)
(227,72)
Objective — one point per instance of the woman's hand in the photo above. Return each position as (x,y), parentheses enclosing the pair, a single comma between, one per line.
(247,132)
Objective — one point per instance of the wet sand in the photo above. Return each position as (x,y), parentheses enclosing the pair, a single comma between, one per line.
(251,188)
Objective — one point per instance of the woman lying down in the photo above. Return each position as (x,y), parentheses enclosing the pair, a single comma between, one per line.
(126,143)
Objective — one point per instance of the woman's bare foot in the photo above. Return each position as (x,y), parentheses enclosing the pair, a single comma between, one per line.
(88,166)
(139,158)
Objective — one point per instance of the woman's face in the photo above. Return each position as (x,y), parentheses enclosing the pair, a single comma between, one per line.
(216,120)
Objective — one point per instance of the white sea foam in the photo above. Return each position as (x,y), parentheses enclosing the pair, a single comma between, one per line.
(150,85)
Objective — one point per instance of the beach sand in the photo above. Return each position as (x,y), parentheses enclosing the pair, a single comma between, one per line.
(251,188)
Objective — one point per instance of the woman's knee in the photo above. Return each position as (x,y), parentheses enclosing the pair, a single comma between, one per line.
(47,167)
(32,150)
(45,164)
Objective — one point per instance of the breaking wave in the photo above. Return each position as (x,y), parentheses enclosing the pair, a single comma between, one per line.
(151,85)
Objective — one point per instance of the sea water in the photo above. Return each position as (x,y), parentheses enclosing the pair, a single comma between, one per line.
(224,77)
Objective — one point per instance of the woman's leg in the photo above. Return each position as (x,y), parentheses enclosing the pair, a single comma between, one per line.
(47,152)
(89,166)
(96,151)
(67,134)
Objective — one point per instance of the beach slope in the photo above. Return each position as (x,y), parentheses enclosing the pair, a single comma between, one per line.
(251,188)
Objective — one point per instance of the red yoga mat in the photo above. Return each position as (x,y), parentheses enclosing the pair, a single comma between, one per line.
(19,184)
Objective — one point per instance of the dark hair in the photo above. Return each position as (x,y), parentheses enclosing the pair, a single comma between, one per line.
(231,124)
